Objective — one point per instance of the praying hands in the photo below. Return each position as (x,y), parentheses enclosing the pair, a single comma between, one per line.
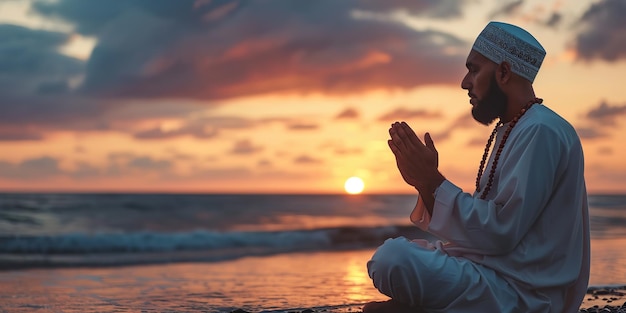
(417,162)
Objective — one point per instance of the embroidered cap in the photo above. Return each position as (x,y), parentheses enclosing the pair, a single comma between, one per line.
(501,42)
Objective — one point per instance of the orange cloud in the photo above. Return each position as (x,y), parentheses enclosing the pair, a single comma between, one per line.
(348,113)
(401,114)
(245,147)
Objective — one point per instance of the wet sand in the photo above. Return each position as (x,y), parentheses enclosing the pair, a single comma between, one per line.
(598,299)
(331,282)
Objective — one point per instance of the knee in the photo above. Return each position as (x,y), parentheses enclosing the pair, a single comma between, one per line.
(393,254)
(393,270)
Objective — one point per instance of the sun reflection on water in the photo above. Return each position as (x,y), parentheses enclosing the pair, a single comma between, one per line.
(357,282)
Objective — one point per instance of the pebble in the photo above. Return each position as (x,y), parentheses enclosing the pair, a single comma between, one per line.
(603,300)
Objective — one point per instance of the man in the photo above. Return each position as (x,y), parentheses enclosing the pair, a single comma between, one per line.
(520,242)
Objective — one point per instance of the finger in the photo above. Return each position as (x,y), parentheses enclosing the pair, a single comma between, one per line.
(400,158)
(404,130)
(408,129)
(400,161)
(393,147)
(399,142)
(397,151)
(392,131)
(429,142)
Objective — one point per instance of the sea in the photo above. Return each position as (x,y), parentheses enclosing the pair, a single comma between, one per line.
(220,252)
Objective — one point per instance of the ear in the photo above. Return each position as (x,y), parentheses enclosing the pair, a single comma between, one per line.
(503,73)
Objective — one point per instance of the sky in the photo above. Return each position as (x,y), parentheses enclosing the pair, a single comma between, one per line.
(281,96)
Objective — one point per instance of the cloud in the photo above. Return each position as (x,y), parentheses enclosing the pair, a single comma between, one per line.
(150,54)
(211,126)
(590,133)
(437,9)
(400,114)
(148,163)
(27,52)
(264,163)
(345,151)
(477,142)
(606,113)
(245,147)
(348,113)
(40,167)
(461,122)
(603,33)
(196,131)
(38,114)
(507,9)
(34,82)
(238,173)
(522,10)
(554,20)
(601,120)
(85,170)
(232,173)
(305,159)
(119,164)
(179,156)
(175,49)
(16,134)
(302,126)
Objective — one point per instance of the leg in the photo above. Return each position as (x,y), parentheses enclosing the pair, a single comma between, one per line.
(430,279)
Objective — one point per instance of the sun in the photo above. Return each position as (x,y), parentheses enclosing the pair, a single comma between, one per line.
(354,185)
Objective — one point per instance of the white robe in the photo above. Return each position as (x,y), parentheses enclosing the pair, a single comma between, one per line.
(533,226)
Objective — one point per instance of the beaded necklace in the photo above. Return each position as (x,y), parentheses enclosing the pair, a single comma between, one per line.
(492,172)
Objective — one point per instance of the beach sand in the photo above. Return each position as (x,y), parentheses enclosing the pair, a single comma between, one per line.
(333,282)
(288,281)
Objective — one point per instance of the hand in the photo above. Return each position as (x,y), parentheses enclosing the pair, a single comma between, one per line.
(417,162)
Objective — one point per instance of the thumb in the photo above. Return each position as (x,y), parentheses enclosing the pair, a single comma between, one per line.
(429,142)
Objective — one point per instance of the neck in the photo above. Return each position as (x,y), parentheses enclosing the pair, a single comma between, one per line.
(516,102)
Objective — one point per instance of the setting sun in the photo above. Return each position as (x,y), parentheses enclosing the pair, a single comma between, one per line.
(354,185)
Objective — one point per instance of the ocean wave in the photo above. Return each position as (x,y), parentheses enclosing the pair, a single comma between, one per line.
(200,245)
(200,240)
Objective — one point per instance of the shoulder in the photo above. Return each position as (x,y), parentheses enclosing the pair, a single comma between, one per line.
(542,121)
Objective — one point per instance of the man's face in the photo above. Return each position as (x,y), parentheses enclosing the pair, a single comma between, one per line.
(487,98)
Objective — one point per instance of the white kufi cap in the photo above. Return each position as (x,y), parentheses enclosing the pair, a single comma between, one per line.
(501,42)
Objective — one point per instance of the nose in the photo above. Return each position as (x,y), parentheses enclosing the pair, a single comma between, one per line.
(465,83)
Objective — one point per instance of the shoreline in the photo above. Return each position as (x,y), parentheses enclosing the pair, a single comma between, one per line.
(304,282)
(598,299)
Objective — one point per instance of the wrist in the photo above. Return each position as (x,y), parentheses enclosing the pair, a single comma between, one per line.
(431,186)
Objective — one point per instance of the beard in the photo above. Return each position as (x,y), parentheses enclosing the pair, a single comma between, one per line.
(493,105)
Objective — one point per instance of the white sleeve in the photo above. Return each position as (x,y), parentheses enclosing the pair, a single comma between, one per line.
(419,216)
(528,171)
